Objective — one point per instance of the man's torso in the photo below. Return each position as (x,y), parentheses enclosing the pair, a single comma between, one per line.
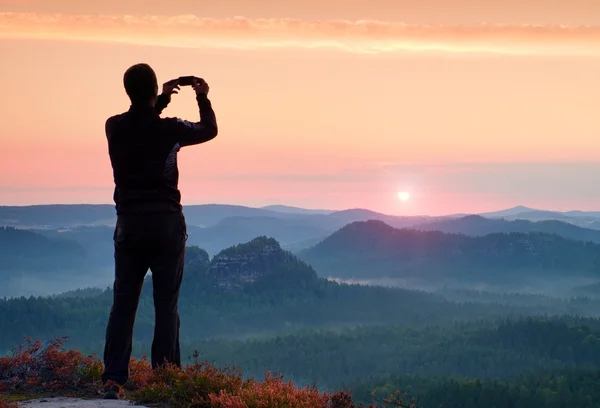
(144,160)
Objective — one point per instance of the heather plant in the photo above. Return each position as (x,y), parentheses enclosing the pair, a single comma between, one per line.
(7,404)
(200,385)
(187,387)
(272,392)
(44,369)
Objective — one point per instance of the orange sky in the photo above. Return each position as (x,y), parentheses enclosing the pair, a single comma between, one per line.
(332,104)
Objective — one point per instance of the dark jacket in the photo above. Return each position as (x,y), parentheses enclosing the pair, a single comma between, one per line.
(143,152)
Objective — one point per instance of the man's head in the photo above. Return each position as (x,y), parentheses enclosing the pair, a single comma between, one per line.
(141,84)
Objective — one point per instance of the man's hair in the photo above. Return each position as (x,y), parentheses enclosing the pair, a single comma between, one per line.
(140,83)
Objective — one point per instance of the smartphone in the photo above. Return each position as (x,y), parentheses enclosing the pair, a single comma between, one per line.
(186,80)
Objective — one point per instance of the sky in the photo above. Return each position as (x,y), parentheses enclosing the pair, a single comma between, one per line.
(469,106)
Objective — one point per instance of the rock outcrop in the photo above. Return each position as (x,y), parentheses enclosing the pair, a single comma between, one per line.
(260,260)
(236,267)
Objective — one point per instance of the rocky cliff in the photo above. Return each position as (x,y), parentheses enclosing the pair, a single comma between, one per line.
(261,259)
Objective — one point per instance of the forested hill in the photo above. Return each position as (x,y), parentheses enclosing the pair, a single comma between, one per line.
(26,251)
(373,249)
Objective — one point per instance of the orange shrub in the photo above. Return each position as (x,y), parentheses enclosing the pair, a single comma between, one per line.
(187,387)
(270,393)
(47,367)
(7,404)
(40,368)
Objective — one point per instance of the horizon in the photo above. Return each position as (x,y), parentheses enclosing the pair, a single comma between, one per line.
(380,104)
(524,208)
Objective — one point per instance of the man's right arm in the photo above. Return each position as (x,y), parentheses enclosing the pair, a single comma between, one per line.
(192,133)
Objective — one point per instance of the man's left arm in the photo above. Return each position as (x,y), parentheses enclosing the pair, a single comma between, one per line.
(162,101)
(169,88)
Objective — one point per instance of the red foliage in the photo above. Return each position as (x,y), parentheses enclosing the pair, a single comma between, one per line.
(48,368)
(201,385)
(7,404)
(40,368)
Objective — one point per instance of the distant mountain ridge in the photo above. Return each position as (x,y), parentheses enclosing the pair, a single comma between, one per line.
(73,215)
(56,215)
(205,215)
(477,225)
(214,227)
(235,230)
(586,219)
(509,212)
(295,210)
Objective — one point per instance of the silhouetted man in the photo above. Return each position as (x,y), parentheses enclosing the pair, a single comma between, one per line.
(150,232)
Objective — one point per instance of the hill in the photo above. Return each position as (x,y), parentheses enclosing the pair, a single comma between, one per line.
(207,215)
(585,219)
(26,251)
(295,210)
(537,215)
(476,225)
(579,213)
(32,263)
(236,230)
(509,212)
(96,240)
(374,250)
(523,212)
(56,215)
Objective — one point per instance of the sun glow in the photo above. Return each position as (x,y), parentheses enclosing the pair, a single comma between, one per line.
(403,196)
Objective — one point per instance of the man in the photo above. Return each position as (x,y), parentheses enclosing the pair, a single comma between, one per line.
(150,232)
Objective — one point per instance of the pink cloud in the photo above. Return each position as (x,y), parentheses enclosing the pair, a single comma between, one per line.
(189,31)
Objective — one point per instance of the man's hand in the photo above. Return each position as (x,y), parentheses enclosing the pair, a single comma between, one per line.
(171,87)
(200,86)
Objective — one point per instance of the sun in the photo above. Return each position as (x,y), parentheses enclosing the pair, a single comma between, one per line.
(403,195)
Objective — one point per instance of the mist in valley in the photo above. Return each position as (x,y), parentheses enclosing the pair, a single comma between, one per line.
(19,284)
(553,286)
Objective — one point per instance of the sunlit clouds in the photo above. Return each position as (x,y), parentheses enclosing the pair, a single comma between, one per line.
(367,37)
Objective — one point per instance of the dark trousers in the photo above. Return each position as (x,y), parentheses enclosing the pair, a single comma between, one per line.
(142,242)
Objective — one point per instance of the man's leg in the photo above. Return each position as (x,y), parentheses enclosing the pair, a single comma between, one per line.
(167,273)
(131,266)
